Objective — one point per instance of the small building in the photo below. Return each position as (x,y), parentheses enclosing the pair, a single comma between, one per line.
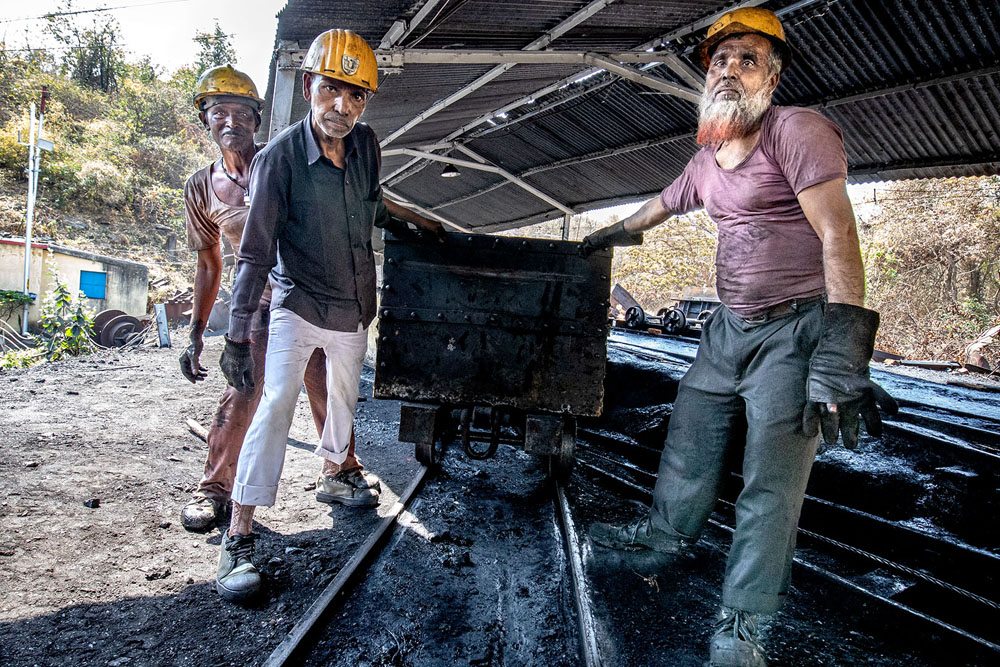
(105,282)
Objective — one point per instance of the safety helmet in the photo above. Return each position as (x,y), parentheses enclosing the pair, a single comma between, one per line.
(224,80)
(746,19)
(342,54)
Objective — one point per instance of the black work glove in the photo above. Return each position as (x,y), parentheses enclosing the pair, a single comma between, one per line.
(838,376)
(191,359)
(237,365)
(613,235)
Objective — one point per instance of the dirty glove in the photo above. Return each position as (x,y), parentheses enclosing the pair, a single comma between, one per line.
(237,365)
(838,377)
(191,360)
(613,235)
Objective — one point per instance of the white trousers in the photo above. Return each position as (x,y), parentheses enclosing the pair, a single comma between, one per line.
(291,341)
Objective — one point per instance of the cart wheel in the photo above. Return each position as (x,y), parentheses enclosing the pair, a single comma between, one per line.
(560,465)
(635,318)
(674,320)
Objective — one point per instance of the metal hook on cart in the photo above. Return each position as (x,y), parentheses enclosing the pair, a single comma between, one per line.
(494,441)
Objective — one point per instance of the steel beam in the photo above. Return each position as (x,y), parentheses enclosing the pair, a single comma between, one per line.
(653,82)
(478,166)
(286,65)
(401,29)
(409,203)
(399,57)
(540,43)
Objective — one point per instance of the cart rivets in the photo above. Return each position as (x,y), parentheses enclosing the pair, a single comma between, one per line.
(391,260)
(385,313)
(552,246)
(413,313)
(381,364)
(387,287)
(440,316)
(467,318)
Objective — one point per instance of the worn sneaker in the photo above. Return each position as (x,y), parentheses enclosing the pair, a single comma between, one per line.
(736,641)
(639,534)
(339,489)
(200,513)
(361,479)
(237,579)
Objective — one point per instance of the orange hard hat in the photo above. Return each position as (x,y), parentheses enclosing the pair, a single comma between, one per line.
(343,55)
(746,19)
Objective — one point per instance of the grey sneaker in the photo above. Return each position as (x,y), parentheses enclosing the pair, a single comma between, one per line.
(639,534)
(339,489)
(237,579)
(736,642)
(200,513)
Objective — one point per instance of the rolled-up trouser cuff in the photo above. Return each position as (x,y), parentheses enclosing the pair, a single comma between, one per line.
(256,496)
(754,602)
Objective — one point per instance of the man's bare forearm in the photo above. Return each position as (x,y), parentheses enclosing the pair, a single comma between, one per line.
(843,269)
(648,216)
(207,277)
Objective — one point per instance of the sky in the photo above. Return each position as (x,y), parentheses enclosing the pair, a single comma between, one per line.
(163,29)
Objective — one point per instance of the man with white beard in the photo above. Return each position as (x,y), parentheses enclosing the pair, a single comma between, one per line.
(787,354)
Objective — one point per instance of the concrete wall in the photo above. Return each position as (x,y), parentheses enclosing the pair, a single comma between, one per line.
(127,283)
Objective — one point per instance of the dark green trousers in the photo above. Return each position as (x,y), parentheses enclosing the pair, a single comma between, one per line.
(754,371)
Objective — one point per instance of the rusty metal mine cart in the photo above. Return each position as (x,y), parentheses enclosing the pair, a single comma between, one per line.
(490,340)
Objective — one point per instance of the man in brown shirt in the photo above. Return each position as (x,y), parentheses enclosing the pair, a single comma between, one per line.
(215,203)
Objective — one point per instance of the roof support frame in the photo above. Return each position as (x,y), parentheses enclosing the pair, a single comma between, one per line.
(401,29)
(409,203)
(564,26)
(480,166)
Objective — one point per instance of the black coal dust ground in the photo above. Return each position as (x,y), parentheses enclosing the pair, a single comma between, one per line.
(475,574)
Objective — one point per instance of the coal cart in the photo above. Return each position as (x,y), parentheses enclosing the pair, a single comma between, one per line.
(492,340)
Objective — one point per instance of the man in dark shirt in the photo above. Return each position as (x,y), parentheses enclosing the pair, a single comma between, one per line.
(789,349)
(315,196)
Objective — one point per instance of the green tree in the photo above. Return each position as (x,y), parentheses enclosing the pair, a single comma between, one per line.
(214,49)
(94,55)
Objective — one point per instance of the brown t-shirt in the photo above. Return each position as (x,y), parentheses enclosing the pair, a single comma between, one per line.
(207,217)
(768,252)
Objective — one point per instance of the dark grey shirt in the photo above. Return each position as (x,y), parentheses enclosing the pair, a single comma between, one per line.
(310,226)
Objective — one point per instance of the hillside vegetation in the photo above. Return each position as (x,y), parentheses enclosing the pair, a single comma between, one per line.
(125,140)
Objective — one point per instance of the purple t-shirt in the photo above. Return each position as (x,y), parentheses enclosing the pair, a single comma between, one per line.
(768,251)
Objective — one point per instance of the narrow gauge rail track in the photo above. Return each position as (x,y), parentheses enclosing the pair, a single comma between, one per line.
(951,588)
(301,639)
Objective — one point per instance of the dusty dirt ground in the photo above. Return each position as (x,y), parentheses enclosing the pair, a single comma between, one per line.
(124,583)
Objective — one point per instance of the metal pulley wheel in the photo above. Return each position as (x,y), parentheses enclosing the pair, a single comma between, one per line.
(101,320)
(119,331)
(635,318)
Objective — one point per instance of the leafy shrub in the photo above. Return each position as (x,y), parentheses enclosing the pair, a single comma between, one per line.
(167,160)
(11,301)
(66,324)
(19,359)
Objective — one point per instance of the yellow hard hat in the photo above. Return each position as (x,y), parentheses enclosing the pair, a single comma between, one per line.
(342,54)
(225,80)
(743,20)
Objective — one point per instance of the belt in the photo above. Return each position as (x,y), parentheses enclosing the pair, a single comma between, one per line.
(782,309)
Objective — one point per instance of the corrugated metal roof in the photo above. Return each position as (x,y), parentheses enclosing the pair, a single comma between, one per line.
(914,84)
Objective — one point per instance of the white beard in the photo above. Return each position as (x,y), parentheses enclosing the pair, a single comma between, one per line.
(723,120)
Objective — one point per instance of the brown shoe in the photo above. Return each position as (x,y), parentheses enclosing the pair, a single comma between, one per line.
(200,513)
(339,489)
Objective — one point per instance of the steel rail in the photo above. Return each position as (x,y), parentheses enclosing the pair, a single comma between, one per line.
(645,494)
(590,652)
(970,567)
(319,608)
